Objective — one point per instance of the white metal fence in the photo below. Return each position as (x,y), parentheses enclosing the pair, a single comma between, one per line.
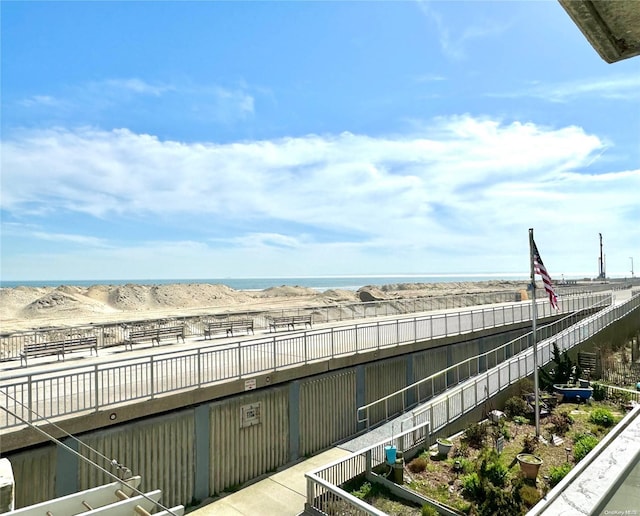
(325,483)
(397,402)
(35,397)
(116,333)
(323,493)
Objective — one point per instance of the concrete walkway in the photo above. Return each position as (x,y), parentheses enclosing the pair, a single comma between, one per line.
(281,494)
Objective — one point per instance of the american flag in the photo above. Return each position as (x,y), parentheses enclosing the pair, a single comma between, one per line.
(540,269)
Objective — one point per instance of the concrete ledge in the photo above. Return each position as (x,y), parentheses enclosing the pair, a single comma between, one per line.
(592,483)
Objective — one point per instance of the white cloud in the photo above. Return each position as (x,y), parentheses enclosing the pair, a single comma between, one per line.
(40,100)
(134,85)
(619,88)
(452,196)
(454,45)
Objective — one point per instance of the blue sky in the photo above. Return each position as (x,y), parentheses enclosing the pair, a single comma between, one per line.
(242,139)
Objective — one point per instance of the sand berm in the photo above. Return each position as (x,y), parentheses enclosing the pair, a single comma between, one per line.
(23,308)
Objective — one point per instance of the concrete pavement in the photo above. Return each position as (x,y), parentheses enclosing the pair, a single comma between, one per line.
(281,494)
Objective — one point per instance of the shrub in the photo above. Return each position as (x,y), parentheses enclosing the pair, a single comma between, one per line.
(521,420)
(561,423)
(583,444)
(516,406)
(492,469)
(467,465)
(529,495)
(525,386)
(427,510)
(599,391)
(529,443)
(460,450)
(472,487)
(417,465)
(557,473)
(601,417)
(363,492)
(475,435)
(496,473)
(498,501)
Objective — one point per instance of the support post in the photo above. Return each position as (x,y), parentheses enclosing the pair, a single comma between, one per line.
(534,314)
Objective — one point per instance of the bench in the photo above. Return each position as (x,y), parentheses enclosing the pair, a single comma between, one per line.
(59,347)
(154,334)
(289,321)
(228,326)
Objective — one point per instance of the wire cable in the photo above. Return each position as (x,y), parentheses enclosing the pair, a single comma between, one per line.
(112,462)
(86,459)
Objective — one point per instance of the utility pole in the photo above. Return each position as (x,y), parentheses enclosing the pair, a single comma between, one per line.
(602,274)
(631,258)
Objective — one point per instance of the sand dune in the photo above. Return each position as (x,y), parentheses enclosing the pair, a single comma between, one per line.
(26,307)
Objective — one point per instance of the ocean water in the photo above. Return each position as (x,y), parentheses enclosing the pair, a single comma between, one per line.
(320,283)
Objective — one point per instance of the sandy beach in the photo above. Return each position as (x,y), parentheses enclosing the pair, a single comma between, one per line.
(23,308)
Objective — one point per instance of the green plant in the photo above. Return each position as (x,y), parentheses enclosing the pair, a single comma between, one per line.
(583,444)
(529,495)
(427,510)
(516,406)
(498,501)
(367,490)
(529,443)
(472,487)
(521,420)
(599,391)
(601,417)
(467,465)
(564,370)
(496,473)
(417,465)
(491,468)
(475,435)
(557,473)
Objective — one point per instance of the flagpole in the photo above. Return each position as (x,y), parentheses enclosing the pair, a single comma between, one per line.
(534,316)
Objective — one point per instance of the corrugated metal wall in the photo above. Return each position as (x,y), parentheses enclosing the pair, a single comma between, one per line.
(35,475)
(382,378)
(425,364)
(238,454)
(327,410)
(160,449)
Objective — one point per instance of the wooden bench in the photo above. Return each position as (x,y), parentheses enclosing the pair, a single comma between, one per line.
(289,321)
(59,347)
(154,335)
(228,326)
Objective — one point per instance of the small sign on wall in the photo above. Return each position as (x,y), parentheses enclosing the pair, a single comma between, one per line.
(250,384)
(250,415)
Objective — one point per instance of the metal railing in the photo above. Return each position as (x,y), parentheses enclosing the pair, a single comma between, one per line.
(324,495)
(65,391)
(397,402)
(115,333)
(439,412)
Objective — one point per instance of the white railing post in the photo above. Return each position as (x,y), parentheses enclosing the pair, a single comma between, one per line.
(199,366)
(152,377)
(30,399)
(96,386)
